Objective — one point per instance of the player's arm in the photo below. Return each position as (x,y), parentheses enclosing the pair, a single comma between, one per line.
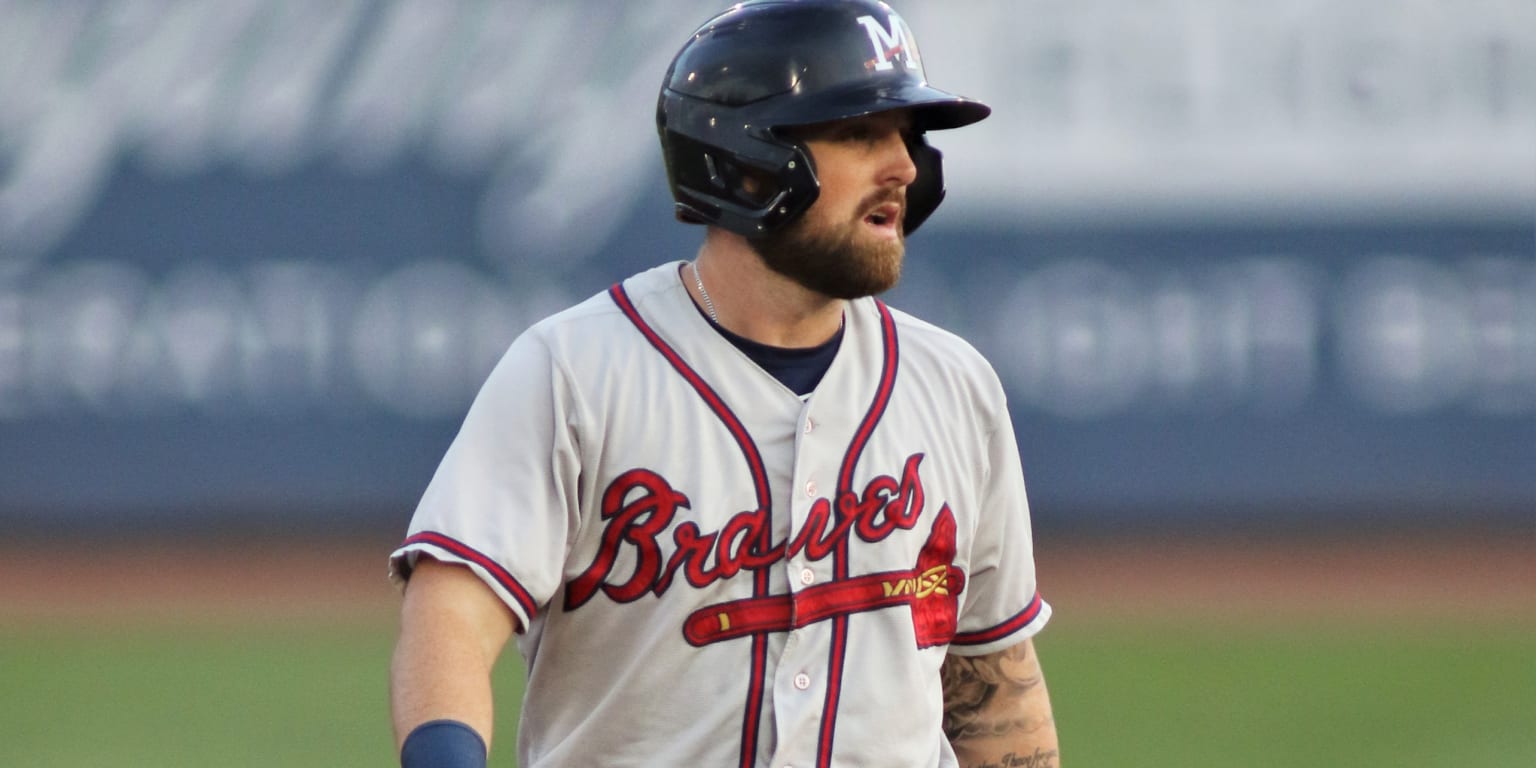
(452,629)
(997,713)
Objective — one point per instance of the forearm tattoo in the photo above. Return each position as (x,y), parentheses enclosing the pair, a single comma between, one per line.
(985,699)
(1041,758)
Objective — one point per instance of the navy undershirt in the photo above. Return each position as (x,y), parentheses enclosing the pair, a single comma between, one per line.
(800,369)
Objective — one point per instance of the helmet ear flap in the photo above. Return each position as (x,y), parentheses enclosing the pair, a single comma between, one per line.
(926,190)
(750,190)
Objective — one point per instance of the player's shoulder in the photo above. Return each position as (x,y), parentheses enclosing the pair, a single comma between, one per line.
(936,359)
(587,320)
(919,337)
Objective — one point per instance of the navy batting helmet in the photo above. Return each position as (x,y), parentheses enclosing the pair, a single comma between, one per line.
(762,67)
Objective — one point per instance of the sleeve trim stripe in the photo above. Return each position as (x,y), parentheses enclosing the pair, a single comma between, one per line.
(1008,627)
(469,554)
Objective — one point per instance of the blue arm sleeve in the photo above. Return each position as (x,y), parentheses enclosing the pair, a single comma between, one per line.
(443,744)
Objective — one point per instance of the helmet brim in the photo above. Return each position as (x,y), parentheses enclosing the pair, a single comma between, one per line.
(932,109)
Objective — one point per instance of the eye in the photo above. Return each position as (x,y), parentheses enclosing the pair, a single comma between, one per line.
(854,132)
(859,133)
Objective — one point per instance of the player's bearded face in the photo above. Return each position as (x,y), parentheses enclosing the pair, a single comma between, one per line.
(837,258)
(849,244)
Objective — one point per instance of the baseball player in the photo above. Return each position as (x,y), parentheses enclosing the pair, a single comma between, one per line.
(735,510)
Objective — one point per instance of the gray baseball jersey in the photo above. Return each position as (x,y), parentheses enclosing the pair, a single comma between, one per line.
(711,570)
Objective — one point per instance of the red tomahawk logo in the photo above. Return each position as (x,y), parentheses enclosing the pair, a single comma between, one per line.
(931,589)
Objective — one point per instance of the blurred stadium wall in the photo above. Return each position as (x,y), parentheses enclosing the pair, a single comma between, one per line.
(1238,263)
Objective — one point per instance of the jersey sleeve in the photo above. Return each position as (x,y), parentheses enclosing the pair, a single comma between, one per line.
(503,501)
(1001,605)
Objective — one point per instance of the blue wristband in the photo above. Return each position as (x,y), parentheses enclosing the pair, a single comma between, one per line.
(443,744)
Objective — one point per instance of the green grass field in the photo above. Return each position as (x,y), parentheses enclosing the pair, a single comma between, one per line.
(1126,694)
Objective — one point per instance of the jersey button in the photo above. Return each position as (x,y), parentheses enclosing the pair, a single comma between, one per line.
(810,425)
(810,488)
(802,681)
(807,576)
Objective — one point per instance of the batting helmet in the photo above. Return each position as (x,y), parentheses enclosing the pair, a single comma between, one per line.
(762,67)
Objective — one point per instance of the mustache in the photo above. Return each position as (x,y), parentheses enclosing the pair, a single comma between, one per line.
(897,195)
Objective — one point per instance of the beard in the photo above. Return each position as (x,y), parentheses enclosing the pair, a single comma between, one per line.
(831,260)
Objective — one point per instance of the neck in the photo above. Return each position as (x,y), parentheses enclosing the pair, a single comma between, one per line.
(754,302)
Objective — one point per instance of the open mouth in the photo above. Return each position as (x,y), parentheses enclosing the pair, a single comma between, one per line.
(885,216)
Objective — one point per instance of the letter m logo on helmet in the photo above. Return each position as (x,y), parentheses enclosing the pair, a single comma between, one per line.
(892,40)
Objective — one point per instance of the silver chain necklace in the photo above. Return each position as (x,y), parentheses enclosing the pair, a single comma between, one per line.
(698,280)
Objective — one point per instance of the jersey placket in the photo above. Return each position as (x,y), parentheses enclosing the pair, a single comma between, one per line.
(799,684)
(827,449)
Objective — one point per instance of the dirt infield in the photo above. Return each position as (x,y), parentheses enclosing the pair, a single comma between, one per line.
(1421,578)
(220,581)
(1412,578)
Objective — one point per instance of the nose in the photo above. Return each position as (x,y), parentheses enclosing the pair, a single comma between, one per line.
(898,168)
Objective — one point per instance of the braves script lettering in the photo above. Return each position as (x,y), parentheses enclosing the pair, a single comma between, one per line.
(640,504)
